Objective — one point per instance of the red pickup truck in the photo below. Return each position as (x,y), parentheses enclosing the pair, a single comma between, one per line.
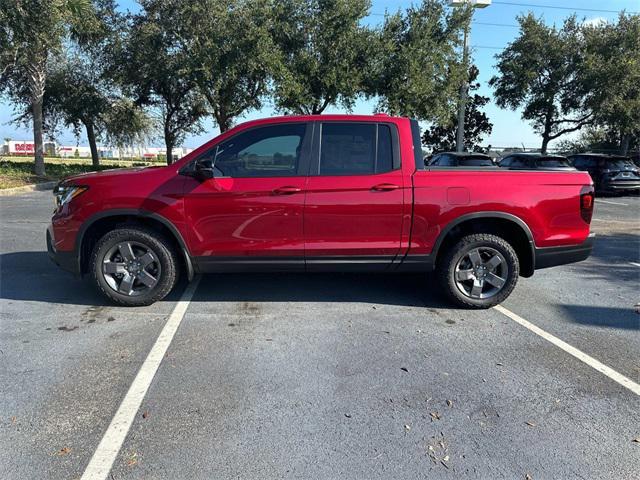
(319,193)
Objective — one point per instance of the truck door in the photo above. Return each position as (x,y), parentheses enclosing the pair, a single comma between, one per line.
(353,210)
(250,214)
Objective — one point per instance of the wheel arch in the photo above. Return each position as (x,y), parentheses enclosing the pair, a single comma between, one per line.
(100,223)
(510,227)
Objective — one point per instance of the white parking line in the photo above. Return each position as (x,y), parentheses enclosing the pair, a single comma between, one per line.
(611,203)
(583,357)
(107,451)
(635,264)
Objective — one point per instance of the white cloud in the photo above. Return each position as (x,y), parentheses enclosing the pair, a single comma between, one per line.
(594,22)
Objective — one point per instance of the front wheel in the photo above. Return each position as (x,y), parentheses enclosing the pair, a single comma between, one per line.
(134,266)
(479,271)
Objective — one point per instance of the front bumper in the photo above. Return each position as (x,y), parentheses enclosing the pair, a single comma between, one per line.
(621,185)
(68,261)
(553,256)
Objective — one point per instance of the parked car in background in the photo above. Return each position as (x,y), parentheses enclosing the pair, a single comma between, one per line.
(460,159)
(612,173)
(635,158)
(535,161)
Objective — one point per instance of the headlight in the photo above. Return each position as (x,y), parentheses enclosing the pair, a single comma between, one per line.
(64,194)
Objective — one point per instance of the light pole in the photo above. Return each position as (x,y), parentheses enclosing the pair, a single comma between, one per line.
(464,87)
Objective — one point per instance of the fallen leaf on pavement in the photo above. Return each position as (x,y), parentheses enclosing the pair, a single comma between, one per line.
(145,414)
(133,459)
(407,428)
(637,440)
(449,404)
(404,369)
(64,451)
(499,364)
(531,424)
(347,415)
(528,477)
(435,415)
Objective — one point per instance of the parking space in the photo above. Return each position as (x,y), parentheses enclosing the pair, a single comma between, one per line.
(323,376)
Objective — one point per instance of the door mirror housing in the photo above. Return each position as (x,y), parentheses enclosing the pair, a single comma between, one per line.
(203,171)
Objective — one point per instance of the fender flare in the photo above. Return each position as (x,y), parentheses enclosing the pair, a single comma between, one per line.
(487,214)
(140,213)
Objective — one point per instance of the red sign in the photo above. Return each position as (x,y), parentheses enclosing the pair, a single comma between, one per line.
(24,147)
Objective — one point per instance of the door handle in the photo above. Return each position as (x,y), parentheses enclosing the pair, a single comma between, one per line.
(385,187)
(287,190)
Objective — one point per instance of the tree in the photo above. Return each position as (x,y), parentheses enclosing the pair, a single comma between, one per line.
(442,136)
(612,78)
(232,53)
(156,70)
(324,54)
(418,71)
(540,72)
(78,95)
(30,32)
(596,138)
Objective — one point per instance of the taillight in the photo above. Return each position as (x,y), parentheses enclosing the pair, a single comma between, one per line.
(586,206)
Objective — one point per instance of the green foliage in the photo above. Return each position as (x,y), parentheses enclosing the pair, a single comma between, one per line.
(15,174)
(418,71)
(231,52)
(156,69)
(540,72)
(442,137)
(30,32)
(325,54)
(611,74)
(599,139)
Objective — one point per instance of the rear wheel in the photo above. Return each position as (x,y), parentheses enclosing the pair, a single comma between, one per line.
(479,271)
(134,266)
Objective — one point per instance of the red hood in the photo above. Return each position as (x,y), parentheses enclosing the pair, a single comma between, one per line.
(104,174)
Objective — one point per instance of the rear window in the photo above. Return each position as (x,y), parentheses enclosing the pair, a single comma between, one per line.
(552,162)
(475,162)
(621,164)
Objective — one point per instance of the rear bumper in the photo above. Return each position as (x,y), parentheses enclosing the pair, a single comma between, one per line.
(553,256)
(66,260)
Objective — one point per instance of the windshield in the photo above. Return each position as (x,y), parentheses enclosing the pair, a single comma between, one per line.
(475,162)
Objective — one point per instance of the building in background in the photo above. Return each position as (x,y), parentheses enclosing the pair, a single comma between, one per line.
(27,148)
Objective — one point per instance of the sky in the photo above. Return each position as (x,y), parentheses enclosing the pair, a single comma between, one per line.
(492,29)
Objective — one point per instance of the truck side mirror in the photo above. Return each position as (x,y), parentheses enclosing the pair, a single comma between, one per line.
(203,171)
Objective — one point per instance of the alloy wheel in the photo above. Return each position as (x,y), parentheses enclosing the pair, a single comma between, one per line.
(131,268)
(481,273)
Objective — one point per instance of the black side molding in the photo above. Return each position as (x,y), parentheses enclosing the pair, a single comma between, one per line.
(553,256)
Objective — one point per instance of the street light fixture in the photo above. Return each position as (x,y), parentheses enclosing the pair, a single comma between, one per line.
(462,104)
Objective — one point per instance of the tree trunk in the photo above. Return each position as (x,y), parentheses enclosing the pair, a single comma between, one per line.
(91,136)
(169,152)
(545,143)
(224,122)
(624,144)
(37,136)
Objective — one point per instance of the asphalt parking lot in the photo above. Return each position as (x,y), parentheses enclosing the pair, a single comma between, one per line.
(322,376)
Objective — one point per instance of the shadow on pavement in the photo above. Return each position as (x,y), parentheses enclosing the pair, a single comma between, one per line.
(611,317)
(388,289)
(31,276)
(610,259)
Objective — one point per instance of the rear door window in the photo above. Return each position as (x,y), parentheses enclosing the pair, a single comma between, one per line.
(355,149)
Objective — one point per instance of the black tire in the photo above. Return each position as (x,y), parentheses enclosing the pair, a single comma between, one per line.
(165,265)
(509,270)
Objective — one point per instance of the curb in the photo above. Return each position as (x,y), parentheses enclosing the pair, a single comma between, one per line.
(27,188)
